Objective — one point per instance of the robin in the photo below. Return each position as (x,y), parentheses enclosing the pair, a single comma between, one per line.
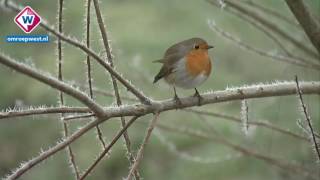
(186,65)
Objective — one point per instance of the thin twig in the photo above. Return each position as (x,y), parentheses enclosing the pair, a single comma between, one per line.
(245,151)
(89,78)
(25,167)
(41,111)
(107,149)
(188,157)
(106,44)
(268,33)
(72,41)
(88,62)
(61,99)
(261,28)
(78,117)
(305,130)
(269,11)
(249,48)
(308,119)
(267,23)
(143,145)
(264,124)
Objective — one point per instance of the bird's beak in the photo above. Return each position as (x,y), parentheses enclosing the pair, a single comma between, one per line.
(209,47)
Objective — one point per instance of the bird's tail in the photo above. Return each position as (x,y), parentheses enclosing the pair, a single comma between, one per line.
(160,75)
(157,78)
(158,61)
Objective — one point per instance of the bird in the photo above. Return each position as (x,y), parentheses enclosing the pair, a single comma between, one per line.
(186,65)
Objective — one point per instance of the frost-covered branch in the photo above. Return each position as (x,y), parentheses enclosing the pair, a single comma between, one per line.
(107,47)
(107,149)
(297,169)
(11,113)
(259,123)
(308,119)
(268,24)
(272,12)
(230,94)
(139,156)
(69,150)
(53,82)
(242,45)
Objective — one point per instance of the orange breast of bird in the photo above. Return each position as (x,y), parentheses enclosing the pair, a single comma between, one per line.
(197,62)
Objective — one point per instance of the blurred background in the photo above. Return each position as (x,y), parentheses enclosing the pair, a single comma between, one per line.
(140,31)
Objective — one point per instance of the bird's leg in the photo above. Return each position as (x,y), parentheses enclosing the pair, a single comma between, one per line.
(176,98)
(197,94)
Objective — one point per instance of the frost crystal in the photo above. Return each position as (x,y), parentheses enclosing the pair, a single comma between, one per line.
(245,116)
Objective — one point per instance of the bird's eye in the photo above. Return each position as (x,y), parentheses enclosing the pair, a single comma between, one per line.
(196,46)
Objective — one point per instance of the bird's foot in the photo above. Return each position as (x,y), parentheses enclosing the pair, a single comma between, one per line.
(200,98)
(178,101)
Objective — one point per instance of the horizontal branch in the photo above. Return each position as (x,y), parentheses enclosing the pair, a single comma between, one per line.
(42,110)
(53,110)
(230,94)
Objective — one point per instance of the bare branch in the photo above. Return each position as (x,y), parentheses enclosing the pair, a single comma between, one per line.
(107,149)
(188,157)
(305,130)
(245,151)
(237,93)
(308,119)
(46,154)
(268,24)
(61,99)
(143,145)
(230,94)
(42,110)
(53,82)
(249,48)
(268,33)
(89,78)
(310,25)
(114,83)
(272,12)
(255,91)
(53,110)
(264,124)
(88,61)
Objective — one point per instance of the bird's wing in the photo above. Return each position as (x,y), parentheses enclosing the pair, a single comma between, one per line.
(168,65)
